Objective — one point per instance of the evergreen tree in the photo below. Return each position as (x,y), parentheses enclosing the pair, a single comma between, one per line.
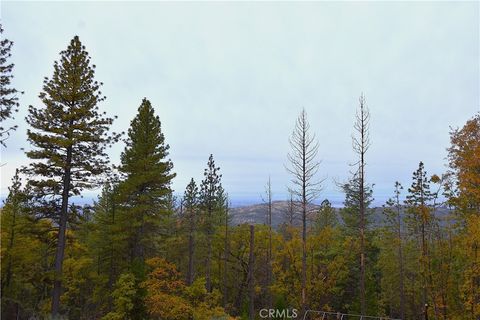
(144,196)
(190,208)
(13,209)
(352,228)
(105,242)
(211,202)
(69,136)
(419,218)
(394,222)
(349,213)
(146,192)
(226,251)
(8,95)
(26,255)
(326,217)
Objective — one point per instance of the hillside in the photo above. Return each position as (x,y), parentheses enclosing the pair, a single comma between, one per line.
(257,213)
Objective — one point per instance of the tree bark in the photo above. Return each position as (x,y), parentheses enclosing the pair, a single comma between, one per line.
(112,271)
(362,237)
(304,168)
(400,259)
(304,223)
(360,146)
(208,266)
(191,244)
(191,248)
(225,262)
(59,255)
(269,250)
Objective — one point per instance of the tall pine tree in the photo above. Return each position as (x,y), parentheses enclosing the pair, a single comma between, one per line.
(394,224)
(106,242)
(353,225)
(69,136)
(211,200)
(419,218)
(13,208)
(146,191)
(190,215)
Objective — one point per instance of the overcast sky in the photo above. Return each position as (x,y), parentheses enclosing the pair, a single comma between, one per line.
(230,79)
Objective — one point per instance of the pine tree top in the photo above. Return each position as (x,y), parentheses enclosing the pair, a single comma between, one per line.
(211,187)
(146,151)
(144,160)
(68,131)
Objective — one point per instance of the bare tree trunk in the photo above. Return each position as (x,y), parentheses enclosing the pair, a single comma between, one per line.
(191,250)
(251,278)
(62,227)
(208,267)
(112,270)
(268,192)
(400,254)
(304,254)
(362,240)
(188,209)
(239,299)
(291,210)
(209,197)
(424,262)
(303,168)
(225,262)
(360,146)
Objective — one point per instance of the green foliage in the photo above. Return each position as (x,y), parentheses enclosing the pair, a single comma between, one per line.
(8,94)
(69,128)
(190,198)
(145,194)
(124,298)
(326,217)
(69,136)
(350,213)
(351,227)
(211,196)
(212,202)
(106,245)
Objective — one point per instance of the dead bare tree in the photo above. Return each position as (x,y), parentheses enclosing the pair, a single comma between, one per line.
(268,220)
(361,144)
(226,251)
(290,212)
(303,168)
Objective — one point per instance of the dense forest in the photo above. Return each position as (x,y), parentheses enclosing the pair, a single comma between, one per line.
(140,252)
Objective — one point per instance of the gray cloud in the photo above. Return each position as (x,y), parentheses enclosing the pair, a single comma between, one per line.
(230,79)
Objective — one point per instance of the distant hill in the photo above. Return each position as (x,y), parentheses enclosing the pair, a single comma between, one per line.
(257,214)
